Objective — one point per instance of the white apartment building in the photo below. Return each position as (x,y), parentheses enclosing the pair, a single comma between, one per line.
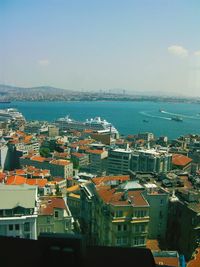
(119,161)
(18,211)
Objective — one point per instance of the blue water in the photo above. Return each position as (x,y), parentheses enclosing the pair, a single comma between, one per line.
(127,117)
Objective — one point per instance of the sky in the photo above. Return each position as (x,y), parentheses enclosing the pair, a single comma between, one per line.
(141,46)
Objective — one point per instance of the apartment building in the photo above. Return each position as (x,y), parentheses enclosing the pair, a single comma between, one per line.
(18,211)
(151,160)
(54,216)
(158,199)
(115,212)
(80,159)
(184,222)
(98,161)
(119,161)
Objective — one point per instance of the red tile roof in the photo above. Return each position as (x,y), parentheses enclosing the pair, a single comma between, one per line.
(20,172)
(172,262)
(196,261)
(180,160)
(153,244)
(78,155)
(95,151)
(111,196)
(38,158)
(48,204)
(62,162)
(15,180)
(2,176)
(38,182)
(104,179)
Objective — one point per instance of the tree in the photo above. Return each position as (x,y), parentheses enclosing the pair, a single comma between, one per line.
(45,152)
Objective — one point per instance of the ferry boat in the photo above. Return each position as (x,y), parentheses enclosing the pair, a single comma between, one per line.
(96,124)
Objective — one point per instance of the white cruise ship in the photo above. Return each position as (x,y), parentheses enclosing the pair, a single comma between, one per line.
(11,114)
(96,124)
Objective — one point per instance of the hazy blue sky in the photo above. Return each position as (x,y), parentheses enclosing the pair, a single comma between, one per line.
(141,46)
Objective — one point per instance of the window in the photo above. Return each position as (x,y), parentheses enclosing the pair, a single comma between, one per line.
(27,236)
(124,240)
(67,225)
(17,227)
(138,228)
(118,241)
(56,214)
(10,227)
(125,227)
(139,241)
(161,202)
(119,227)
(27,227)
(48,219)
(119,213)
(160,214)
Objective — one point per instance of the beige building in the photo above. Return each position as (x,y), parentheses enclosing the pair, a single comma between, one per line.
(53,131)
(54,216)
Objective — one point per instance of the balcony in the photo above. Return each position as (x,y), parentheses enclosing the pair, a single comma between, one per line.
(140,219)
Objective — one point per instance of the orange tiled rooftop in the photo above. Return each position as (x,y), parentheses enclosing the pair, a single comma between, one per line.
(180,160)
(104,179)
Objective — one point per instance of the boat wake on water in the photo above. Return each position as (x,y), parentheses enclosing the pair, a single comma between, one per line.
(154,116)
(180,115)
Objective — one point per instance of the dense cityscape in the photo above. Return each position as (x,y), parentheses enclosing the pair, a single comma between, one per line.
(85,178)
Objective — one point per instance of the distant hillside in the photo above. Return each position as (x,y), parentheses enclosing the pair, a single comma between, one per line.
(12,93)
(49,93)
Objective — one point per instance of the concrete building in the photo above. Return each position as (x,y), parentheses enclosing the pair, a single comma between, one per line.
(158,200)
(80,159)
(184,222)
(53,131)
(119,161)
(151,160)
(98,161)
(146,136)
(18,211)
(54,216)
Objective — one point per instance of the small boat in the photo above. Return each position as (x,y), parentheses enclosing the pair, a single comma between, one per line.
(176,118)
(161,110)
(145,121)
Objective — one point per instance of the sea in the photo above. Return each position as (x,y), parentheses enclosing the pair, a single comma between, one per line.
(130,117)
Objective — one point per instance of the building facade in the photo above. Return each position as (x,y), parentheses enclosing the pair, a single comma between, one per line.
(18,211)
(151,160)
(119,161)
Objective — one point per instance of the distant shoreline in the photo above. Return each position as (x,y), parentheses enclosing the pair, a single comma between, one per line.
(156,100)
